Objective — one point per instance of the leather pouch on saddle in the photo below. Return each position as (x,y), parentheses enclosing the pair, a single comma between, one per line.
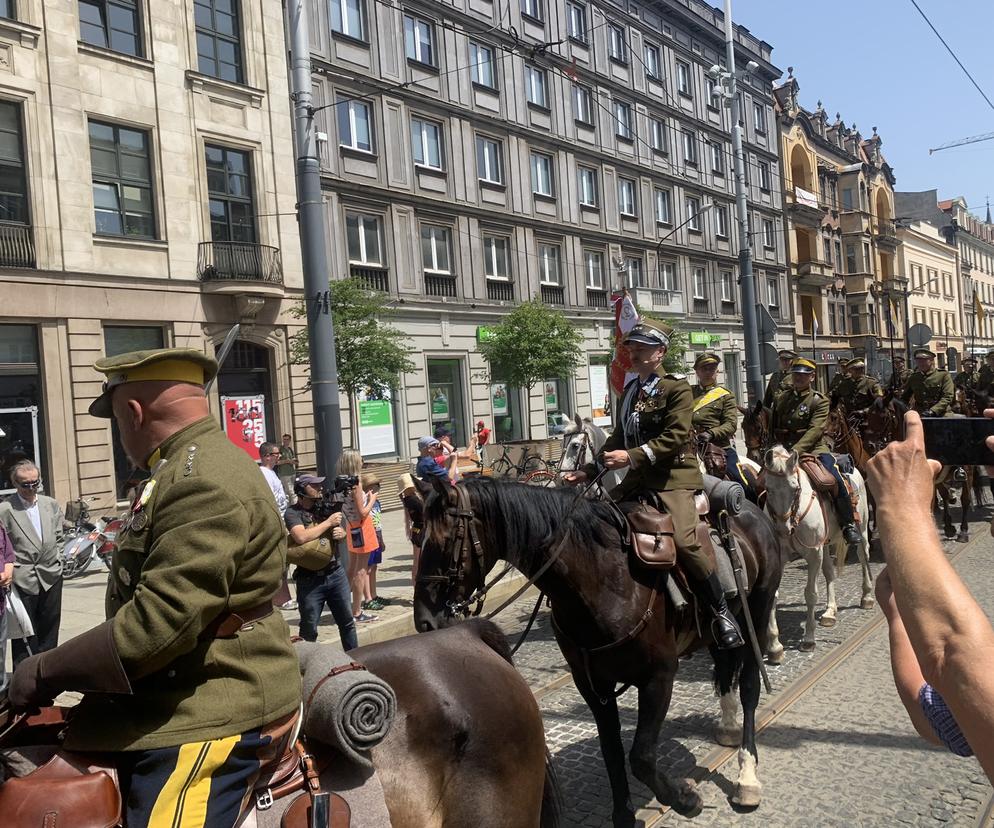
(651,535)
(821,478)
(715,461)
(315,554)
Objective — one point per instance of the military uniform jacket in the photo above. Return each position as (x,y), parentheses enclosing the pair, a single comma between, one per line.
(898,380)
(985,377)
(654,427)
(932,391)
(837,383)
(204,539)
(779,382)
(715,411)
(969,380)
(799,421)
(857,394)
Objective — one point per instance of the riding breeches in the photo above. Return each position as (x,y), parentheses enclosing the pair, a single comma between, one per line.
(843,505)
(680,506)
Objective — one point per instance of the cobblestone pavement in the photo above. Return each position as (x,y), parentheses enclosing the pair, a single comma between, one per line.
(850,727)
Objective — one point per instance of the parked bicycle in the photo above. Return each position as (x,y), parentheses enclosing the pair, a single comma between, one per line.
(529,467)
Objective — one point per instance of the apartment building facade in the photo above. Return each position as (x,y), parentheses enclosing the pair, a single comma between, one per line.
(477,154)
(148,200)
(841,235)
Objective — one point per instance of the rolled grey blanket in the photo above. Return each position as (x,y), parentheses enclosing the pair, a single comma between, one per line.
(350,710)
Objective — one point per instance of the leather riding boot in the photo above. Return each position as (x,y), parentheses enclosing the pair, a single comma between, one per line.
(959,474)
(724,627)
(843,508)
(88,663)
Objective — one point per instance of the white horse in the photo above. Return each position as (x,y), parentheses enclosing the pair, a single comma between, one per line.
(807,521)
(581,442)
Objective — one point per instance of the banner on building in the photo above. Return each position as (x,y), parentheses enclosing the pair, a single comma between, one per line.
(376,426)
(551,396)
(498,396)
(440,402)
(806,198)
(245,422)
(625,318)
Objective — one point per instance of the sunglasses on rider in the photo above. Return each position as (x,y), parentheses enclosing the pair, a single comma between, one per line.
(30,484)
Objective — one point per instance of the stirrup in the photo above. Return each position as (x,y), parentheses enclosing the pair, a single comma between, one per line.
(850,534)
(723,628)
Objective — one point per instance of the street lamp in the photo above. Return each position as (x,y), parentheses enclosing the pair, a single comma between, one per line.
(680,226)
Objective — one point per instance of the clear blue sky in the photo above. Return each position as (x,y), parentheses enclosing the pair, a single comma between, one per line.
(879,64)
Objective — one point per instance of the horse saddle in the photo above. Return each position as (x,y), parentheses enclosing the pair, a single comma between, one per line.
(79,790)
(822,480)
(650,531)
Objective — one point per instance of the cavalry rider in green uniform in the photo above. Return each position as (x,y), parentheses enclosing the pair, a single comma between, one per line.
(968,378)
(799,419)
(192,681)
(932,390)
(986,378)
(898,378)
(839,378)
(653,441)
(779,379)
(857,392)
(716,417)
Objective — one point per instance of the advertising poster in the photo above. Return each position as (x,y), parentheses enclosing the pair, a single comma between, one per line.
(440,403)
(245,422)
(600,397)
(498,393)
(551,395)
(376,428)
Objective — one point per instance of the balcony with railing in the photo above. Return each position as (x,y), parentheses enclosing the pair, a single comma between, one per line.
(17,245)
(885,231)
(500,291)
(228,266)
(701,306)
(371,277)
(815,273)
(657,299)
(596,298)
(553,294)
(804,207)
(440,284)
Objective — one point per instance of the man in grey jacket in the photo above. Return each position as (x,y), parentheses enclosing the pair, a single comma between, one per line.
(34,524)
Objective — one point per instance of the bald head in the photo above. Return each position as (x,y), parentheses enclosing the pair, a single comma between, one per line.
(150,412)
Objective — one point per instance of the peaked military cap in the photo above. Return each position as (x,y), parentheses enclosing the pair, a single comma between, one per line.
(786,353)
(924,353)
(856,362)
(164,364)
(802,366)
(899,358)
(707,358)
(650,332)
(972,360)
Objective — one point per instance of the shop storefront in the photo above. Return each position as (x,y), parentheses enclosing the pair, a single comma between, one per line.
(447,398)
(598,371)
(244,384)
(22,419)
(556,402)
(506,405)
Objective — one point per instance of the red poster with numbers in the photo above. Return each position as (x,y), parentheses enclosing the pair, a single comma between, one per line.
(245,422)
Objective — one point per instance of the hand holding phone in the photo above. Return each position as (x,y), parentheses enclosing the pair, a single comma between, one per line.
(958,441)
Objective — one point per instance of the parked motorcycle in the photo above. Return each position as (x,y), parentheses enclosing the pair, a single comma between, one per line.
(81,540)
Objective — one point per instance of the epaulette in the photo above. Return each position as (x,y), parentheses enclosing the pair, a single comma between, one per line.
(675,376)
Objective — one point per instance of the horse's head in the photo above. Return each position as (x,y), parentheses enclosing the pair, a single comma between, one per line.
(450,567)
(755,428)
(783,483)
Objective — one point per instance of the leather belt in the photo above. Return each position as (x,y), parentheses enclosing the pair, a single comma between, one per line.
(229,624)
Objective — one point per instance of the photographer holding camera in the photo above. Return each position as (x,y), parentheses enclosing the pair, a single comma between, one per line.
(314,535)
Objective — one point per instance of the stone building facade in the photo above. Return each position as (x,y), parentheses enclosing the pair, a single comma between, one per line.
(476,154)
(148,199)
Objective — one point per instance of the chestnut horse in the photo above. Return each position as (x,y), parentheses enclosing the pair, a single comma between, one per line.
(612,618)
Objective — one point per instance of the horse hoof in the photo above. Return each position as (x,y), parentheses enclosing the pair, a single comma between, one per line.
(963,537)
(827,621)
(747,796)
(728,736)
(807,646)
(687,801)
(775,657)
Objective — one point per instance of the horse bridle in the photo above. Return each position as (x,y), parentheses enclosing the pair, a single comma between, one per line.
(791,517)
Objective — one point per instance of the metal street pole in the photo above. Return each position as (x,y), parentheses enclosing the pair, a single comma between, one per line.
(320,329)
(754,376)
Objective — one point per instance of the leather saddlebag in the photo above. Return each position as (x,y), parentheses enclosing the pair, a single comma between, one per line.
(90,800)
(315,554)
(820,477)
(652,537)
(298,815)
(715,461)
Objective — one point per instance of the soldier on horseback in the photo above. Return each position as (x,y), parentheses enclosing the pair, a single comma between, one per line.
(986,376)
(932,390)
(779,379)
(898,378)
(968,379)
(716,418)
(799,419)
(857,392)
(652,440)
(840,376)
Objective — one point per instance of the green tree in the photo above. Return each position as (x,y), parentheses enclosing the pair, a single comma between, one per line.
(532,344)
(673,362)
(370,353)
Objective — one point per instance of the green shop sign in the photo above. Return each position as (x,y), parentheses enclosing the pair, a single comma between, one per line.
(704,338)
(374,413)
(483,333)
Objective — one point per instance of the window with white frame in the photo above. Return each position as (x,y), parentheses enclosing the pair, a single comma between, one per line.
(759,117)
(587,180)
(727,282)
(532,8)
(419,39)
(700,283)
(489,160)
(576,21)
(693,205)
(362,235)
(616,47)
(348,17)
(481,59)
(435,247)
(496,260)
(626,197)
(667,276)
(769,234)
(773,291)
(653,63)
(721,221)
(535,86)
(355,124)
(717,158)
(623,120)
(683,78)
(633,272)
(593,268)
(550,271)
(426,143)
(582,105)
(657,130)
(712,98)
(764,175)
(542,176)
(690,147)
(664,207)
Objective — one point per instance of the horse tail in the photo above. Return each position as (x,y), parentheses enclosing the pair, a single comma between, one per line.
(551,796)
(491,635)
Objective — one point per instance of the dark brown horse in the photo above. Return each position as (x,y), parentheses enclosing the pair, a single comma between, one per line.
(612,619)
(756,429)
(455,756)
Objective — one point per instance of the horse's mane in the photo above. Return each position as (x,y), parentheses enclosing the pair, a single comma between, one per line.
(778,458)
(528,519)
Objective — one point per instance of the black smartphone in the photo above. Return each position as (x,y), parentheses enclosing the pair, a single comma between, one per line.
(958,441)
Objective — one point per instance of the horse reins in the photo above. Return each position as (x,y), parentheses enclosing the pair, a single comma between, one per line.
(791,517)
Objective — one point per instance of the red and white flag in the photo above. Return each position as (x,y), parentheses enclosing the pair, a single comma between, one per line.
(625,318)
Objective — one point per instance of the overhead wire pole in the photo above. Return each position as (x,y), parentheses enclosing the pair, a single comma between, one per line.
(310,211)
(754,375)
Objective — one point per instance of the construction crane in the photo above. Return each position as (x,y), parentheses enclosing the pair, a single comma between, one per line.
(973,139)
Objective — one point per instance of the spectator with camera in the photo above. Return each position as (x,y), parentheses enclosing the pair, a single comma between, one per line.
(315,531)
